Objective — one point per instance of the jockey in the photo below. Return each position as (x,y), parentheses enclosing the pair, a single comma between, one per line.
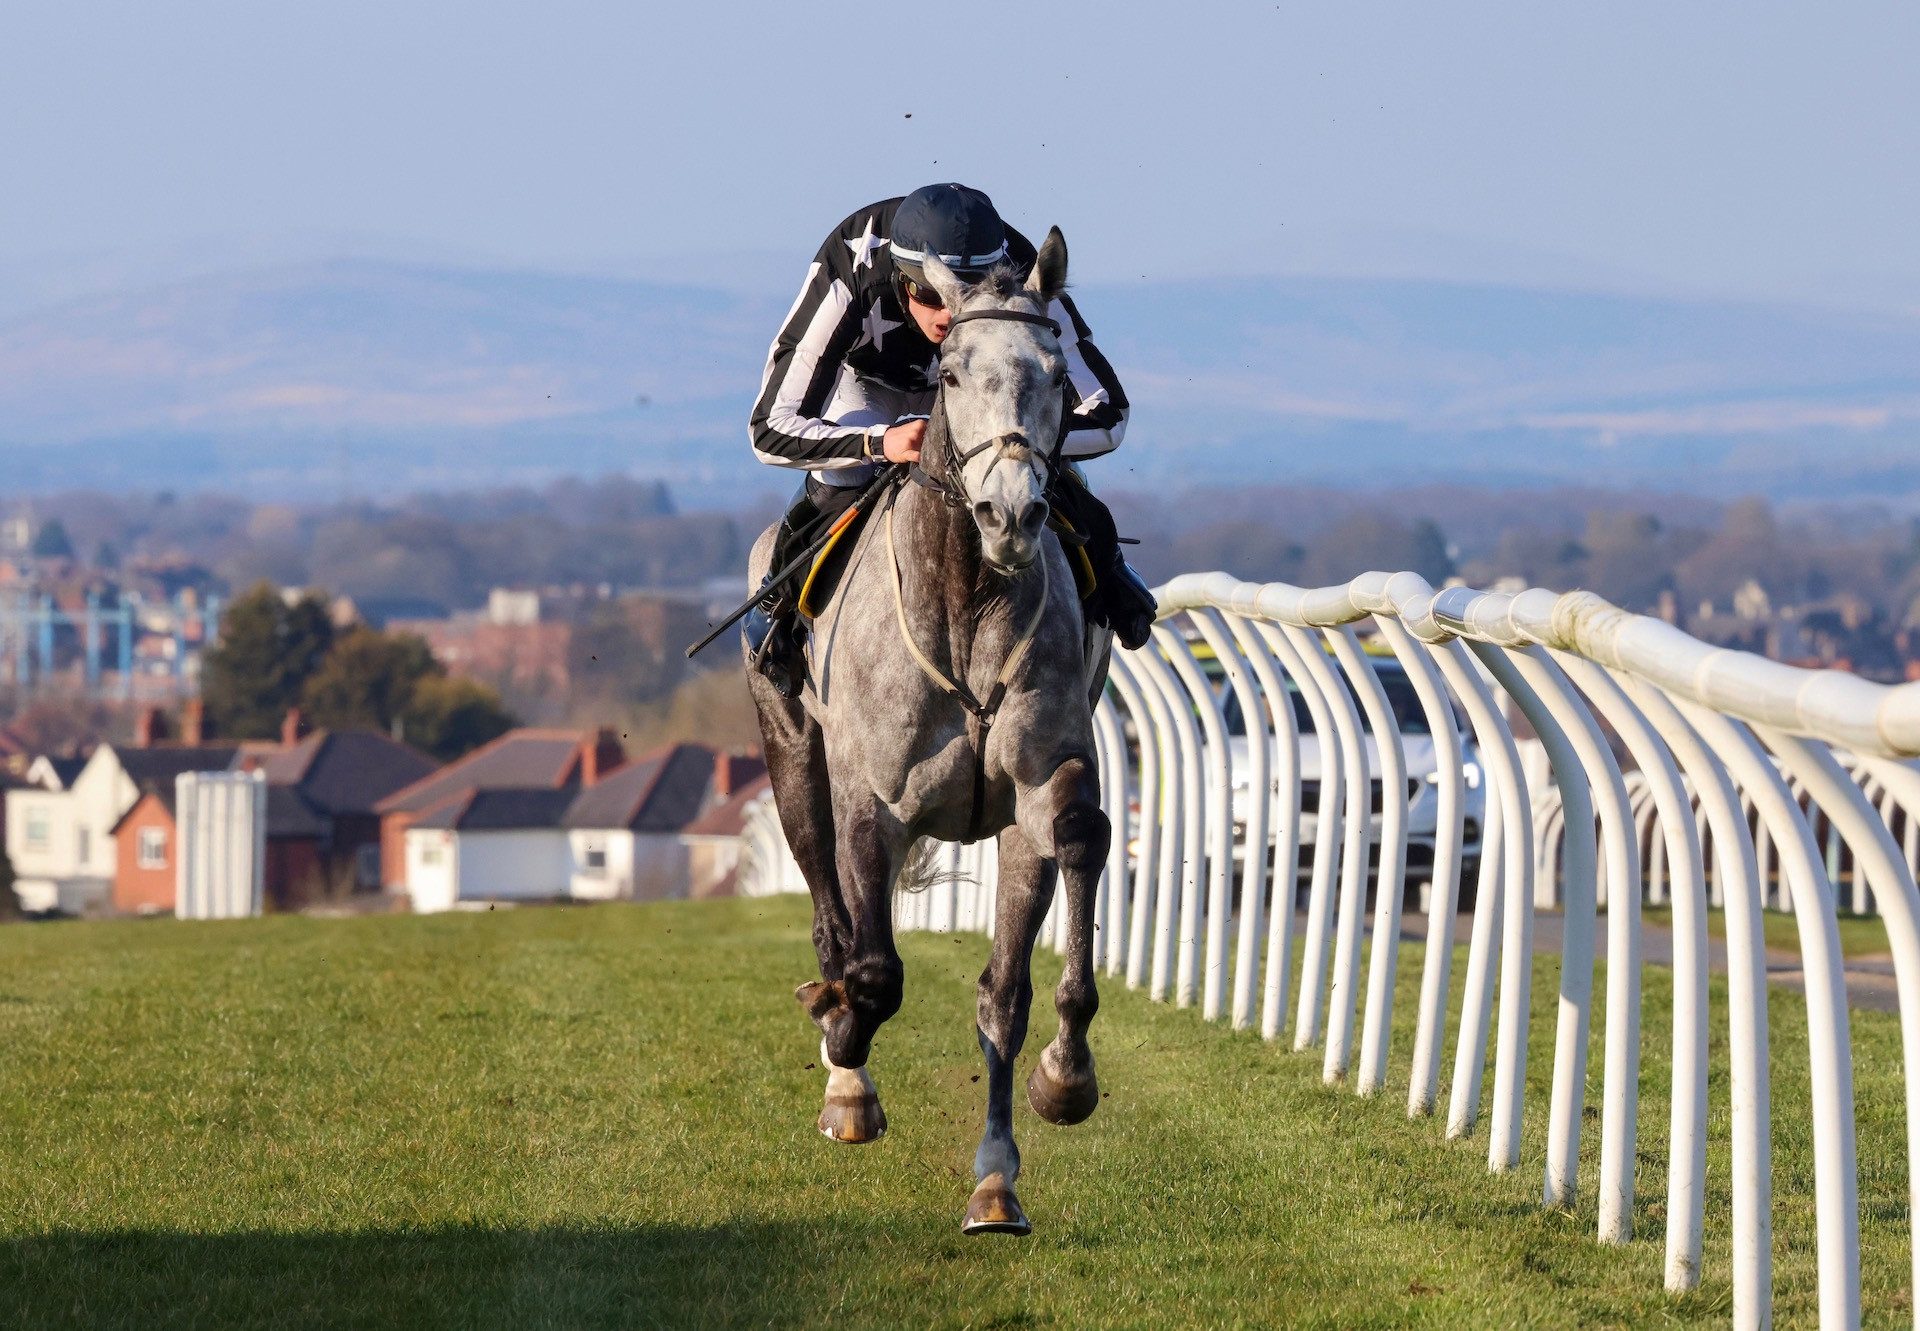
(852,375)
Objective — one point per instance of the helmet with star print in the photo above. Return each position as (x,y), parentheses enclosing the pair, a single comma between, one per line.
(952,221)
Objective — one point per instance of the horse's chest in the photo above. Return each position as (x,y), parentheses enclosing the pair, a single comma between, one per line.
(908,744)
(894,733)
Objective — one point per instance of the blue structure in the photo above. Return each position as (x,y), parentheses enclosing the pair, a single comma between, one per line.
(30,621)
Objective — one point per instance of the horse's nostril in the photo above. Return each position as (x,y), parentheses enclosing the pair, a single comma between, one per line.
(987,514)
(1033,517)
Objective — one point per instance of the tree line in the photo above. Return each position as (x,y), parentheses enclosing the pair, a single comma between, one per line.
(278,652)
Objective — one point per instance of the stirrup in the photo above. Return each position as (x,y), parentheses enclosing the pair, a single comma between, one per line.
(773,651)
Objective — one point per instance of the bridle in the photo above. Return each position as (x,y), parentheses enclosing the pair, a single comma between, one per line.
(954,488)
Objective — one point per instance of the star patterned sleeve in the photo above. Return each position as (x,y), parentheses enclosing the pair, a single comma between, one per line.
(1096,418)
(803,365)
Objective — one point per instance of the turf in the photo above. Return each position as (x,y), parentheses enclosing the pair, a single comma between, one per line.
(604,1116)
(1860,935)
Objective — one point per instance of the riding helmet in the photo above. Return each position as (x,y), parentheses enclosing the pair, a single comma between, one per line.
(952,221)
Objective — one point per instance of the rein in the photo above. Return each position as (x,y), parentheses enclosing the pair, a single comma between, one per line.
(980,714)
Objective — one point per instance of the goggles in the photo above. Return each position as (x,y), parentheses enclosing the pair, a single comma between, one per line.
(921,295)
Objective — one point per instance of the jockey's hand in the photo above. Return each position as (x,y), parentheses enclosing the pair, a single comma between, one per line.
(902,442)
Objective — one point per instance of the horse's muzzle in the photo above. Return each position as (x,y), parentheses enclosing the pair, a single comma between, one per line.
(1010,542)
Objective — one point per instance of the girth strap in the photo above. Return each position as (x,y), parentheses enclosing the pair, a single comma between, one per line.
(980,715)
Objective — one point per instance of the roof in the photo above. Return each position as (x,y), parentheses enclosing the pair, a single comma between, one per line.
(346,771)
(154,770)
(508,810)
(290,815)
(659,791)
(164,793)
(160,764)
(729,818)
(519,760)
(64,769)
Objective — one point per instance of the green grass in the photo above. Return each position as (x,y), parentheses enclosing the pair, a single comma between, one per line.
(1860,935)
(605,1117)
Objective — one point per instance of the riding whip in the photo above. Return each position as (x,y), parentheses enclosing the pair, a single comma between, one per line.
(804,559)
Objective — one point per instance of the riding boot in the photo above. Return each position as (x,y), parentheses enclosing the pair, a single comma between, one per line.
(772,627)
(1120,600)
(1130,607)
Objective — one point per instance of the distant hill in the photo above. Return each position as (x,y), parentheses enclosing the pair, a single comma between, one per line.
(305,380)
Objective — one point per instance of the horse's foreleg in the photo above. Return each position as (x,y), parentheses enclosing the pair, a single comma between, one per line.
(1061,1087)
(1005,996)
(797,768)
(797,765)
(849,1006)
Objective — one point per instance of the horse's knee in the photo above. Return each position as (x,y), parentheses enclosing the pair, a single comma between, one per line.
(875,984)
(1081,835)
(1001,1008)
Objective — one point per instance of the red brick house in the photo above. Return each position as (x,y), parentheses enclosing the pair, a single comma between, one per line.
(146,840)
(527,655)
(323,834)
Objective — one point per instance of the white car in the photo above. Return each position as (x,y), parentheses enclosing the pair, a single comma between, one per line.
(1416,742)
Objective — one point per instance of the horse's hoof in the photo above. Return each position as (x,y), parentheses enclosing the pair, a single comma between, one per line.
(853,1120)
(993,1209)
(1061,1103)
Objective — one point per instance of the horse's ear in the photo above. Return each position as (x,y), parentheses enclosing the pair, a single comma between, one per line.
(940,277)
(1049,276)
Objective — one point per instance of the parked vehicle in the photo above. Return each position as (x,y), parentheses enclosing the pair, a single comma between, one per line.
(1416,742)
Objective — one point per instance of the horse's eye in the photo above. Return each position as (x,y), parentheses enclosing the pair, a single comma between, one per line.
(949,378)
(1060,377)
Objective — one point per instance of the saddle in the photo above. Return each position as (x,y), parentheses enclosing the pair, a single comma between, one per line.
(823,575)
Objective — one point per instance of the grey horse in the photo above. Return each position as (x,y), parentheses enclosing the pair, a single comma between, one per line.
(950,696)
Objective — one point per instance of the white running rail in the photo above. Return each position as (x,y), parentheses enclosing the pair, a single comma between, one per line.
(1746,784)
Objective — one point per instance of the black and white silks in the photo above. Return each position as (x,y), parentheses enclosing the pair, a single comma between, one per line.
(847,336)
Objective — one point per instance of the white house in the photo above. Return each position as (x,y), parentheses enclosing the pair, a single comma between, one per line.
(617,838)
(624,833)
(54,773)
(44,848)
(490,845)
(60,842)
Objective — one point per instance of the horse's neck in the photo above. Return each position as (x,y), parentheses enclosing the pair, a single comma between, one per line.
(943,579)
(952,599)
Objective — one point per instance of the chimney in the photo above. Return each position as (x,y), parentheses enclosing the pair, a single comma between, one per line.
(292,727)
(732,772)
(193,722)
(151,727)
(601,756)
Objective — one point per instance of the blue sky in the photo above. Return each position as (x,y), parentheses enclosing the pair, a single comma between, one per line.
(1759,148)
